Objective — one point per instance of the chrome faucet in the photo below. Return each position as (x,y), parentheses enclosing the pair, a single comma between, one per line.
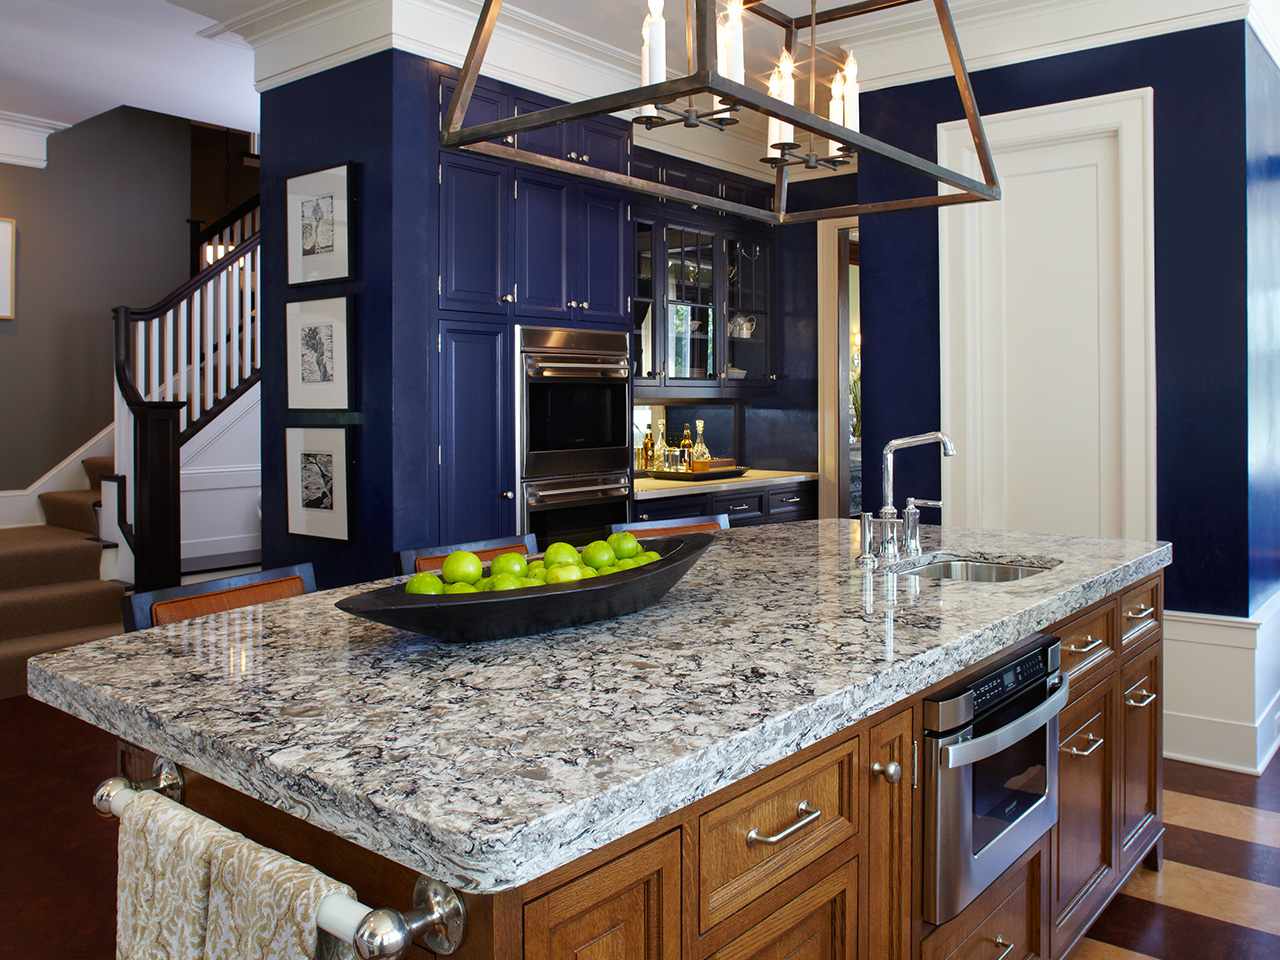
(880,535)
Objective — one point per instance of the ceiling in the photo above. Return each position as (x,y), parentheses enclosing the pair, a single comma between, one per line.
(67,60)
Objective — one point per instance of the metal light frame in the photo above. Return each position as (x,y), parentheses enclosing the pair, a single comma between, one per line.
(705,78)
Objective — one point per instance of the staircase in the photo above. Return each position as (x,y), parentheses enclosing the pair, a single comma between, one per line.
(50,592)
(179,365)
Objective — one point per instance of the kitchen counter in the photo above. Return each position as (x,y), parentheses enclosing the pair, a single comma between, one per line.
(646,488)
(488,765)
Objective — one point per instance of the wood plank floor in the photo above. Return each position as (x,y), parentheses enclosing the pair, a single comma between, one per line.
(1218,897)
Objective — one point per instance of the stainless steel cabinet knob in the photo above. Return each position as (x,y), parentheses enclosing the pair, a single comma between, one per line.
(585,305)
(644,516)
(773,376)
(509,494)
(572,304)
(508,298)
(891,771)
(573,154)
(586,158)
(509,139)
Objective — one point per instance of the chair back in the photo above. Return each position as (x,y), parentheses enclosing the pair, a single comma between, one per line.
(155,608)
(431,559)
(677,527)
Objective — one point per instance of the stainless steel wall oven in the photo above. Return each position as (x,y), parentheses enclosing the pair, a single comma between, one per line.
(991,776)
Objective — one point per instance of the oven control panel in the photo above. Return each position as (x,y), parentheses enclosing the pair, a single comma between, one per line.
(995,687)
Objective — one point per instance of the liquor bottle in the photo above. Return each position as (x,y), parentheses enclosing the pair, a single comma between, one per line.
(686,448)
(660,446)
(646,450)
(700,451)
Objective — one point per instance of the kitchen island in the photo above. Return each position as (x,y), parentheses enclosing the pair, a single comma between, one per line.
(515,768)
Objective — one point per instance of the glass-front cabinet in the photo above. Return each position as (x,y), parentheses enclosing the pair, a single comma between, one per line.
(700,307)
(747,308)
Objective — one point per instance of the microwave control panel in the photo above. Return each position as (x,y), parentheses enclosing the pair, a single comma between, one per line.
(995,687)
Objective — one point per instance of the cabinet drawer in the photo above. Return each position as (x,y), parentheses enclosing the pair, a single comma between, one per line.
(1006,915)
(1139,612)
(752,843)
(783,502)
(1087,645)
(1008,926)
(739,506)
(820,924)
(669,508)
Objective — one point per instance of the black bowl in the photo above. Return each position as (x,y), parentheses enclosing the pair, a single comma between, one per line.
(466,617)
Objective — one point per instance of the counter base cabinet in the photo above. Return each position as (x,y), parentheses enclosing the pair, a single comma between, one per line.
(892,822)
(748,507)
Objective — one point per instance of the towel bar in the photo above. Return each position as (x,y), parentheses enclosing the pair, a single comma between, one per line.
(438,917)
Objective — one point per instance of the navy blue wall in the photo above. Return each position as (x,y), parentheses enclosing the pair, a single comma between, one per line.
(1262,94)
(1198,77)
(368,113)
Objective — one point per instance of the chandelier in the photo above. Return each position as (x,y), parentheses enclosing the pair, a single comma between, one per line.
(715,57)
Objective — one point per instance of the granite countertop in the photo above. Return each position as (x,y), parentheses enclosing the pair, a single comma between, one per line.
(647,488)
(488,765)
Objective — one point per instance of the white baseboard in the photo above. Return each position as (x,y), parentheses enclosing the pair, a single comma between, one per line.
(21,508)
(1222,688)
(216,546)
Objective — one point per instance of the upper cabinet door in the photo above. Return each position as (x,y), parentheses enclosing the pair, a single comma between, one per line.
(487,104)
(543,214)
(548,141)
(477,443)
(475,232)
(602,145)
(747,298)
(601,252)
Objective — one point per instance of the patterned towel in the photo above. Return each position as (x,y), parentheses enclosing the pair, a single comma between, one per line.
(262,906)
(162,887)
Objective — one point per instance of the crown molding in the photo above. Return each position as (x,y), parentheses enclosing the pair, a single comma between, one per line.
(905,46)
(24,139)
(1264,17)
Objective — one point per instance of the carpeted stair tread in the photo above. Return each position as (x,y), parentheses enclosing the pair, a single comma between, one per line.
(95,468)
(15,651)
(54,607)
(31,556)
(73,509)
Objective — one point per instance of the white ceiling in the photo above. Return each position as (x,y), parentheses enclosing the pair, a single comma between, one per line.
(67,60)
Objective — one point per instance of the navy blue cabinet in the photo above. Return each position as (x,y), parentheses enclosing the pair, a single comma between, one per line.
(603,144)
(475,235)
(477,444)
(487,104)
(545,211)
(548,141)
(600,256)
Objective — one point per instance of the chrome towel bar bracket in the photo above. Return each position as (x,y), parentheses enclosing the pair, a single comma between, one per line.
(438,918)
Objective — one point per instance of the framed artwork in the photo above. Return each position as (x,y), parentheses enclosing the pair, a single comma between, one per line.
(316,347)
(8,267)
(316,478)
(318,212)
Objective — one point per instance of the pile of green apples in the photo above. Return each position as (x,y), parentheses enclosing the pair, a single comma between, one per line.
(464,572)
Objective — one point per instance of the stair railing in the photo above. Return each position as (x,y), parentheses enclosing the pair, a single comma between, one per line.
(211,243)
(179,364)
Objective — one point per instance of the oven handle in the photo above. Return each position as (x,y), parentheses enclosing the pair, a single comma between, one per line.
(537,497)
(618,366)
(971,751)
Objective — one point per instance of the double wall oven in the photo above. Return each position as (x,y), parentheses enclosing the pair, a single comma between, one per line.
(991,776)
(573,431)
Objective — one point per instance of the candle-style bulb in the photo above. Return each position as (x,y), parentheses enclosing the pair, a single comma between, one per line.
(655,8)
(852,109)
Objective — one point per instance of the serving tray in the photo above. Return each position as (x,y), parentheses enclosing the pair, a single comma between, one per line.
(689,476)
(471,617)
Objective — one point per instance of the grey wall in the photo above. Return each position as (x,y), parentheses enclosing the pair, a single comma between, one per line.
(103,224)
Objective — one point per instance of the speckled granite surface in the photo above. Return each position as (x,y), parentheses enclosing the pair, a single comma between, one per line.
(488,765)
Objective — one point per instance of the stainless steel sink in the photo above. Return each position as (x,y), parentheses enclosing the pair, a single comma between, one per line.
(977,571)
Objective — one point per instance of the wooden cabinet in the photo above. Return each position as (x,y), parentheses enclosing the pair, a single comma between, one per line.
(890,809)
(1141,613)
(1088,647)
(628,909)
(1141,780)
(1084,843)
(820,924)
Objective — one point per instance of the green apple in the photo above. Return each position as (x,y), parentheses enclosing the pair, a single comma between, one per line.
(462,566)
(560,554)
(427,583)
(484,584)
(588,572)
(506,581)
(597,554)
(626,563)
(512,563)
(650,556)
(625,545)
(531,582)
(460,588)
(605,571)
(564,573)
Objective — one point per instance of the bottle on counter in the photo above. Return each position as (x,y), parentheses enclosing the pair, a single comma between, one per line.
(660,446)
(700,451)
(646,449)
(686,449)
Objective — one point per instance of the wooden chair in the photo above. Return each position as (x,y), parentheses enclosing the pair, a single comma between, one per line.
(674,528)
(431,559)
(155,608)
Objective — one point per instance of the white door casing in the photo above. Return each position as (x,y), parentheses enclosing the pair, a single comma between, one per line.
(1048,323)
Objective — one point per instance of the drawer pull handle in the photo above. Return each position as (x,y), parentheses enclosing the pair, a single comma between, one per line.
(1142,613)
(1148,698)
(1092,643)
(738,507)
(807,816)
(891,771)
(1000,941)
(790,499)
(1094,743)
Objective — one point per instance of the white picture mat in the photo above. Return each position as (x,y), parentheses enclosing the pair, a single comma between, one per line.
(8,266)
(331,524)
(312,395)
(329,187)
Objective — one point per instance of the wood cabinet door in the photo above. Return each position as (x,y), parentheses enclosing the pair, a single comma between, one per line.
(1084,847)
(601,256)
(475,228)
(543,225)
(1141,769)
(477,443)
(890,810)
(629,909)
(820,924)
